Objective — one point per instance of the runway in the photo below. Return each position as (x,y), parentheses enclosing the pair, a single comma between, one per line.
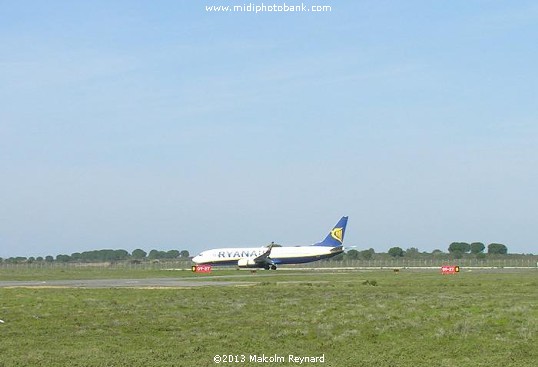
(119,283)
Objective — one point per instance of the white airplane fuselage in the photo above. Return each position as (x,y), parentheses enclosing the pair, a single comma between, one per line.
(271,256)
(279,255)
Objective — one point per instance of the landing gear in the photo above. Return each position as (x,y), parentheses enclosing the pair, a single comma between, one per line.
(273,267)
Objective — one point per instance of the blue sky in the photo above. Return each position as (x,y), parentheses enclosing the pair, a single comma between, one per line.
(140,124)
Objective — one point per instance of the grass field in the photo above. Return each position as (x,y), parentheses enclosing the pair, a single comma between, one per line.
(354,319)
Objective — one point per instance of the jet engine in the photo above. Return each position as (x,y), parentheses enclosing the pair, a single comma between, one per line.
(247,263)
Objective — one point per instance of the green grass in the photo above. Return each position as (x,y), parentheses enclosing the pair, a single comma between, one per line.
(406,319)
(84,272)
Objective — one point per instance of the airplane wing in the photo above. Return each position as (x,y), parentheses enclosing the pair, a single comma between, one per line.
(264,258)
(262,261)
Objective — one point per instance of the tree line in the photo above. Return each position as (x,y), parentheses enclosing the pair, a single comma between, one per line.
(456,250)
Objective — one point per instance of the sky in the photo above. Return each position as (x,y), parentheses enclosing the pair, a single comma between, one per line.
(161,125)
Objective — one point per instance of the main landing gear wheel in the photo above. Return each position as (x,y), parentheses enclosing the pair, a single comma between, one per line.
(273,267)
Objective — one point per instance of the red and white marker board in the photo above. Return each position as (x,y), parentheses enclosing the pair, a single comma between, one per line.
(450,269)
(201,268)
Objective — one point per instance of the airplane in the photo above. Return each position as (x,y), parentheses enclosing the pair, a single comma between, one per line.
(268,257)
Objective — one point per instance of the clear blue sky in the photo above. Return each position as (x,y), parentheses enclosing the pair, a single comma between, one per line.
(156,124)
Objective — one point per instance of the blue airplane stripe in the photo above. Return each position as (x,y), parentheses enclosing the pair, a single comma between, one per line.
(301,260)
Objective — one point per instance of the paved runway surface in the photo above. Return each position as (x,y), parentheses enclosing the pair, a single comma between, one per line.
(118,283)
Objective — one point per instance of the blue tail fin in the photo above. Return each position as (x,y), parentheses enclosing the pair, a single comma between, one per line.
(336,236)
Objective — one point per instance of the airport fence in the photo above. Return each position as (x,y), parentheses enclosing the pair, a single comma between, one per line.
(526,262)
(143,265)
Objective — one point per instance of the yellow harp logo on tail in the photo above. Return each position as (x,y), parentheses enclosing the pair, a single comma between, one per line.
(337,234)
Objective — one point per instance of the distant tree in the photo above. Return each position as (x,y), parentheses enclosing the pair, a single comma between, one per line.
(185,254)
(457,254)
(352,254)
(437,251)
(31,259)
(396,252)
(497,248)
(101,255)
(172,254)
(481,256)
(76,256)
(39,258)
(121,255)
(477,247)
(461,247)
(338,257)
(49,259)
(63,258)
(155,254)
(412,252)
(139,254)
(367,254)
